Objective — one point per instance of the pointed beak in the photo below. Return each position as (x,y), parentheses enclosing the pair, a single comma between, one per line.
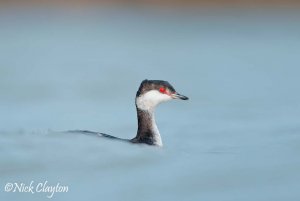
(179,96)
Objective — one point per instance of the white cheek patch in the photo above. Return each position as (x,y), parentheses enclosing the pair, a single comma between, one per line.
(151,99)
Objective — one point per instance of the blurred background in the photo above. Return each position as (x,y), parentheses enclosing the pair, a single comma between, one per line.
(169,3)
(78,64)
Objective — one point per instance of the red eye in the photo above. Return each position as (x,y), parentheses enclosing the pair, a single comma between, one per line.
(162,90)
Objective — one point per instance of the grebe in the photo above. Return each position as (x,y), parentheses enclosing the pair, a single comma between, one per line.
(149,95)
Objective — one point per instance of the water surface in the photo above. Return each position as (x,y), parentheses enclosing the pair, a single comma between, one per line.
(237,138)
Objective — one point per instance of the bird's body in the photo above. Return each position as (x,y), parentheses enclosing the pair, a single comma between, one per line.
(149,95)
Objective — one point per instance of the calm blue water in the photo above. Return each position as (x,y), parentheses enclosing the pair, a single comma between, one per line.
(237,138)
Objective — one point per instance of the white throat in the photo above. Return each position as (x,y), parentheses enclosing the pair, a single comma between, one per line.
(149,100)
(156,134)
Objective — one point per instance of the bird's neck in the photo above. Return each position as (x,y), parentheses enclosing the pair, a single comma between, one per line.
(147,129)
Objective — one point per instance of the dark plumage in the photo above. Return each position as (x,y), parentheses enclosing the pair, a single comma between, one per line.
(148,85)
